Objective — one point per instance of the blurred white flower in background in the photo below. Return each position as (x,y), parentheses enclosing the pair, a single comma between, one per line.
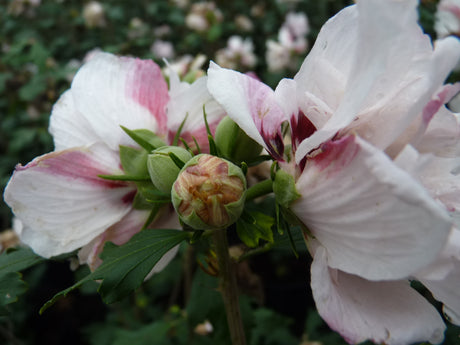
(94,14)
(244,23)
(447,18)
(237,53)
(292,42)
(162,49)
(202,16)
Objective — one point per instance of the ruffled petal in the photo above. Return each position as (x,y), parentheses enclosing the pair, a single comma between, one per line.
(251,104)
(389,313)
(110,91)
(62,202)
(68,127)
(374,219)
(392,73)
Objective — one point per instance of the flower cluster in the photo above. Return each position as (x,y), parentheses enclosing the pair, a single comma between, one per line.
(365,161)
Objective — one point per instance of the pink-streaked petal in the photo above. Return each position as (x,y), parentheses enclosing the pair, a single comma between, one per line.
(121,232)
(68,127)
(189,100)
(374,219)
(62,202)
(443,133)
(251,104)
(110,91)
(389,313)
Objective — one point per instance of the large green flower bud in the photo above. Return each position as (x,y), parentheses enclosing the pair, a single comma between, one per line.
(162,169)
(209,193)
(234,143)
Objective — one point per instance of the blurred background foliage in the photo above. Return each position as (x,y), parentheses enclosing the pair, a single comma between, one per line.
(42,44)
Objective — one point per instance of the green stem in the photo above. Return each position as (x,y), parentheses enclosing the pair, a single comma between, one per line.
(228,288)
(259,189)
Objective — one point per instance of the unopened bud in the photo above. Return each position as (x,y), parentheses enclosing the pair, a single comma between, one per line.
(234,143)
(162,169)
(209,193)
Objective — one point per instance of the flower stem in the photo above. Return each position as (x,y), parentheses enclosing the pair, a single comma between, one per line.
(228,288)
(259,189)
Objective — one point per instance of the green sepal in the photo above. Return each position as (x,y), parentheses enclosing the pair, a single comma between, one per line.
(125,267)
(254,226)
(134,161)
(164,165)
(144,138)
(233,143)
(284,189)
(148,195)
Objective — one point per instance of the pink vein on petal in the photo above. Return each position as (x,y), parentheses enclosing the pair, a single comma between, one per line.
(74,165)
(146,86)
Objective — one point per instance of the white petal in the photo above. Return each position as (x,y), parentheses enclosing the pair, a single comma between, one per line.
(110,91)
(251,104)
(445,286)
(68,127)
(385,312)
(442,135)
(189,100)
(393,72)
(374,219)
(62,202)
(447,291)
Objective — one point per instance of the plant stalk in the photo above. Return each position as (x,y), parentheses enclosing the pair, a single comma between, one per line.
(228,288)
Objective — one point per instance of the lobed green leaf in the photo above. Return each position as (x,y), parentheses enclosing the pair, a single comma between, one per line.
(125,267)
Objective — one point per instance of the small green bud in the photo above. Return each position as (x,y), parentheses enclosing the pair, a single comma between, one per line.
(162,169)
(209,193)
(284,188)
(234,143)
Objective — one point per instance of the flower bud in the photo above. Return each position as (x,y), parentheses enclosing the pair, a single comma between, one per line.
(162,169)
(209,193)
(234,143)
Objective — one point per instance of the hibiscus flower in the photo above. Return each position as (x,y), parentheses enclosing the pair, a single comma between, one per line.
(369,92)
(60,199)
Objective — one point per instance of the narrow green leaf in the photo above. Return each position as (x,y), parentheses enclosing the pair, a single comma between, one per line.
(179,163)
(208,129)
(124,178)
(198,148)
(125,267)
(212,146)
(139,139)
(179,131)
